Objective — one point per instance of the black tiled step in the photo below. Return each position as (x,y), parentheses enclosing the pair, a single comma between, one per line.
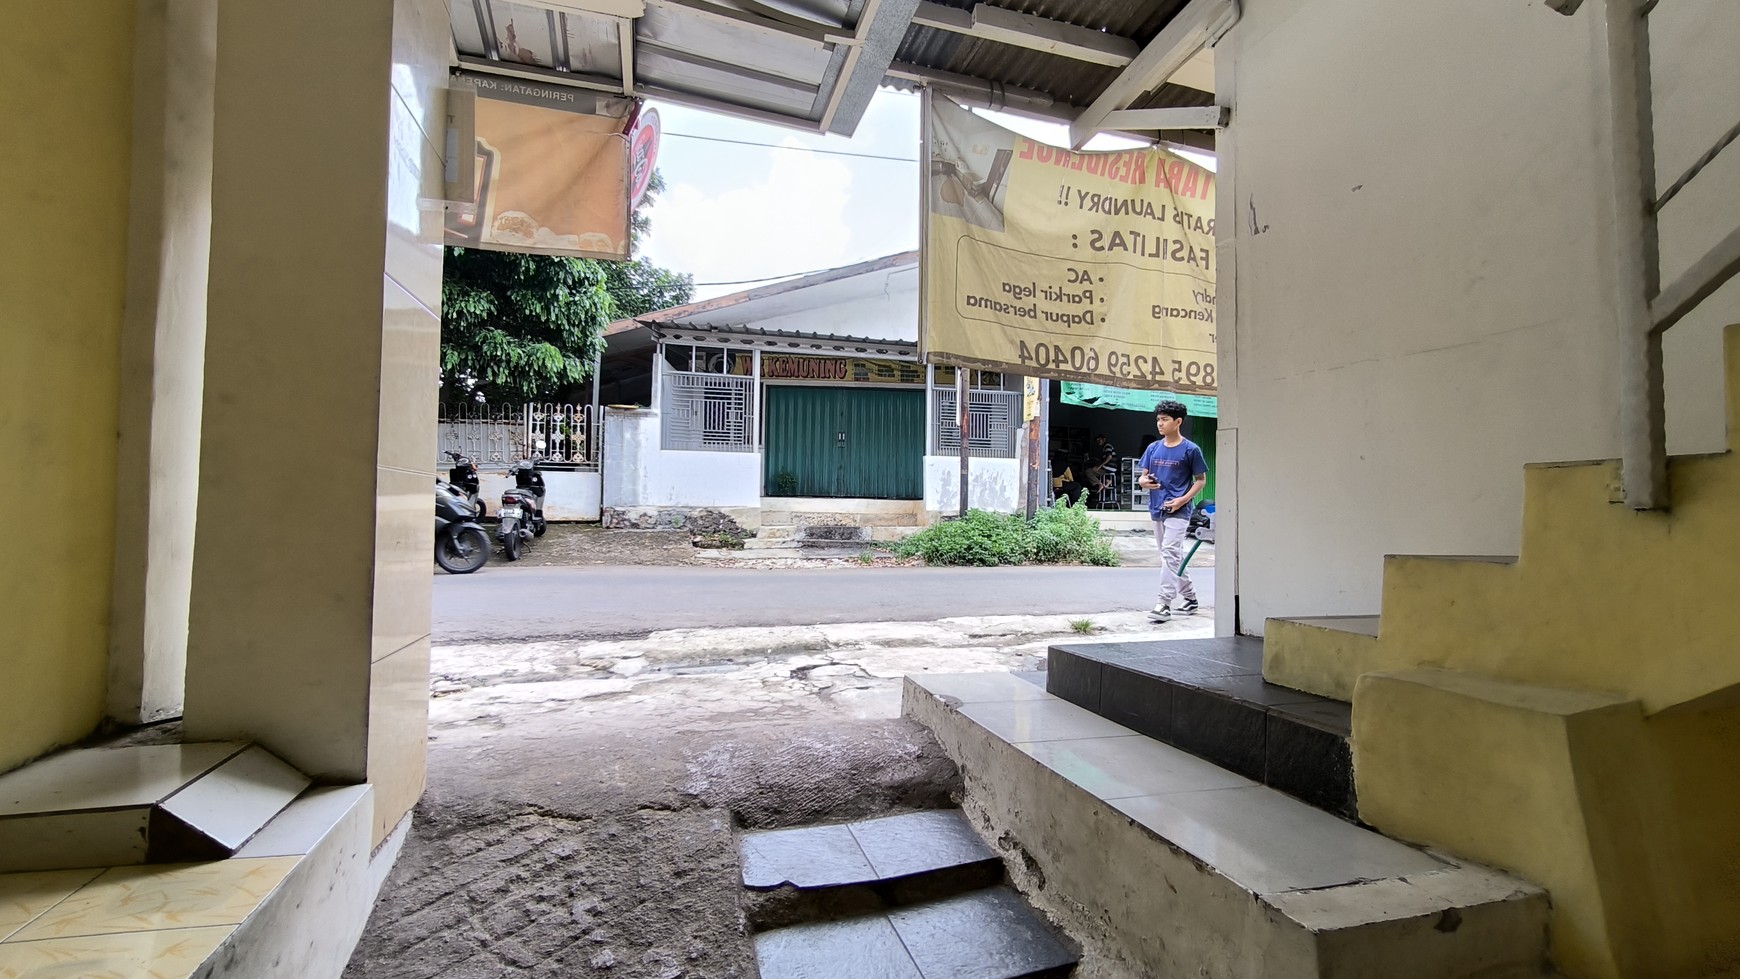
(819,873)
(1208,697)
(985,934)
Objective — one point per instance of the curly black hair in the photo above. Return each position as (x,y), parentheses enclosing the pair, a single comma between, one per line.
(1172,409)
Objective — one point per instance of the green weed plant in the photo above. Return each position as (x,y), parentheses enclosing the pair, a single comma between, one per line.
(1059,534)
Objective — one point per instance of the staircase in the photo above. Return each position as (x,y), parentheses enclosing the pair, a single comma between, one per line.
(915,896)
(1571,712)
(820,528)
(1179,866)
(180,860)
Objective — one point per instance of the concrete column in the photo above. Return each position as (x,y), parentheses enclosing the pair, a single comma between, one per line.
(309,624)
(162,356)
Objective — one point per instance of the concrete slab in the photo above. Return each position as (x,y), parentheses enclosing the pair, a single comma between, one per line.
(920,842)
(858,948)
(1225,882)
(989,934)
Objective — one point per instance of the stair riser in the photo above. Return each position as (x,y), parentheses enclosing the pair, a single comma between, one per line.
(782,906)
(1167,912)
(1303,760)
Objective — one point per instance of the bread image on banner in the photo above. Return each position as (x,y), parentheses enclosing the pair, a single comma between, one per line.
(552,171)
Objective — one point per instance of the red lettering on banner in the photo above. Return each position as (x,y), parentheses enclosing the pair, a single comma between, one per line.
(1027,149)
(1189,182)
(1076,163)
(1174,174)
(1045,152)
(1138,170)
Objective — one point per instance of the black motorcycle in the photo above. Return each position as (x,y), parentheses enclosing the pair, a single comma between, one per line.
(522,509)
(461,546)
(463,477)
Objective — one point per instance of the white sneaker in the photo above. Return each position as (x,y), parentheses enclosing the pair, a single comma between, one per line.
(1160,613)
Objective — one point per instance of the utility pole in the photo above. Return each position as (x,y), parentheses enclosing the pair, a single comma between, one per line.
(961,395)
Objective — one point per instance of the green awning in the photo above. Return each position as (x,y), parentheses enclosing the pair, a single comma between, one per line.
(1105,396)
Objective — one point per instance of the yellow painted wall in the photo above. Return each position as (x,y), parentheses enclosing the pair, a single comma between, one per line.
(66,119)
(1601,597)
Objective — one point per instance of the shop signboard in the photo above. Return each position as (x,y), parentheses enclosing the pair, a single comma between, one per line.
(1040,261)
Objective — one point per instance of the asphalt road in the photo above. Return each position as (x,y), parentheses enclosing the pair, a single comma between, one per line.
(499,604)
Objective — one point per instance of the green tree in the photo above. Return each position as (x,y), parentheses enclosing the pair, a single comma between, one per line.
(640,287)
(520,327)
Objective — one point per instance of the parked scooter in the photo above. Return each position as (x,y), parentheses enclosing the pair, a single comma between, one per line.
(522,509)
(461,546)
(463,477)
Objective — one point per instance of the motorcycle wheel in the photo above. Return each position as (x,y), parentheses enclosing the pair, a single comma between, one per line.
(539,527)
(510,538)
(463,552)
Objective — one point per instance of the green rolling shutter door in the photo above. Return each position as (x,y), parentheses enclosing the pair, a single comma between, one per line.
(881,453)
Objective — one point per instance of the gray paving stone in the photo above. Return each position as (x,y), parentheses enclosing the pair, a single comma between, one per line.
(914,843)
(809,856)
(857,948)
(989,934)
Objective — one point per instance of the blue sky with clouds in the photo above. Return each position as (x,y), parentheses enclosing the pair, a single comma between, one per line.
(732,212)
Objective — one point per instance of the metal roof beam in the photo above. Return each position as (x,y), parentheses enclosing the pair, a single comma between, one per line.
(881,27)
(1201,22)
(1029,31)
(625,39)
(1190,117)
(813,34)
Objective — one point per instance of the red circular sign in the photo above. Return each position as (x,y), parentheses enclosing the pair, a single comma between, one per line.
(643,152)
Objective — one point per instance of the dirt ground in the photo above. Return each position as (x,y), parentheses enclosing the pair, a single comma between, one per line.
(613,854)
(568,544)
(574,544)
(584,795)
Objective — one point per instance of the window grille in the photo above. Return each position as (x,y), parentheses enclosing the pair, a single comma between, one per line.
(712,412)
(993,422)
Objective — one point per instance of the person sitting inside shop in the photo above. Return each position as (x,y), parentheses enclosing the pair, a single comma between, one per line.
(1102,464)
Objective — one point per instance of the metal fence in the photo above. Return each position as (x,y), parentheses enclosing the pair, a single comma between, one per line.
(993,424)
(713,412)
(497,436)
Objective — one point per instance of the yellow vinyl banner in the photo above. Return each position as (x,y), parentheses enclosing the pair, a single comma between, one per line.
(1093,267)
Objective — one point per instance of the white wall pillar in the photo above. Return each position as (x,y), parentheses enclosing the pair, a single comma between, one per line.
(309,625)
(162,355)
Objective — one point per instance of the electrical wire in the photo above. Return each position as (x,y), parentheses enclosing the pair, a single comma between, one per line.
(766,278)
(806,149)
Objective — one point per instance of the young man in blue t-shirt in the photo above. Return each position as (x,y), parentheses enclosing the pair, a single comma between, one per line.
(1174,473)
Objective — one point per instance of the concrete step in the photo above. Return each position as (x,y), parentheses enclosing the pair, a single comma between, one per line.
(915,895)
(115,806)
(1321,654)
(817,873)
(1208,697)
(1190,869)
(986,934)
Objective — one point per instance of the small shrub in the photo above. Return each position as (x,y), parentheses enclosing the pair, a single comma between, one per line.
(785,483)
(1059,534)
(1083,626)
(867,557)
(720,540)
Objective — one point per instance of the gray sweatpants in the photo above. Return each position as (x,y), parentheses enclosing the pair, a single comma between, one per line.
(1169,534)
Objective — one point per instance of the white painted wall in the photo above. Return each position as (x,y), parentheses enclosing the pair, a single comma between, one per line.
(890,315)
(637,473)
(992,484)
(567,495)
(1414,195)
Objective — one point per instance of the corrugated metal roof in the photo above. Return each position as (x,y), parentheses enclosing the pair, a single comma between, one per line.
(1074,83)
(806,63)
